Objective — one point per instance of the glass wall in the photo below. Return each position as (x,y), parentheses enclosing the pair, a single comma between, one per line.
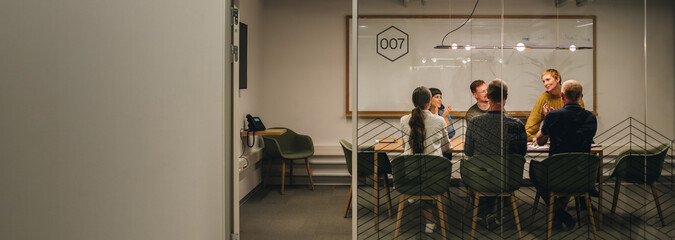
(574,106)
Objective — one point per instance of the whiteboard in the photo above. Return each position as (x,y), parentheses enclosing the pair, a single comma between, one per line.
(396,54)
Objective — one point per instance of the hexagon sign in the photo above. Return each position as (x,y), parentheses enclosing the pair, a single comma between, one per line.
(392,43)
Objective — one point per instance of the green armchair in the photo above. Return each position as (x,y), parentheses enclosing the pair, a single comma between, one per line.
(288,146)
(493,176)
(565,175)
(421,177)
(366,162)
(631,167)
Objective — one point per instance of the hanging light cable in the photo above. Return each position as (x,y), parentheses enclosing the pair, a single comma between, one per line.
(460,26)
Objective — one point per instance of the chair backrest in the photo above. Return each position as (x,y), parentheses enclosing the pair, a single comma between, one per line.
(493,173)
(631,164)
(566,172)
(366,159)
(421,175)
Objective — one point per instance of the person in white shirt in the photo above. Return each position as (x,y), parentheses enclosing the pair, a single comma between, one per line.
(424,133)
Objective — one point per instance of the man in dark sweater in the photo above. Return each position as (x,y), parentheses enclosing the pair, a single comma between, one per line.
(494,133)
(571,129)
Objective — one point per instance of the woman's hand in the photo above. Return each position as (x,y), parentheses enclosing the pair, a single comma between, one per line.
(546,109)
(447,111)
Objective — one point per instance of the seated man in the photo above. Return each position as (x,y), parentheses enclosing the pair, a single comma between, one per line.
(494,133)
(571,129)
(479,92)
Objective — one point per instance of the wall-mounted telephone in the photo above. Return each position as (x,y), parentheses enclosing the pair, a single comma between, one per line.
(254,123)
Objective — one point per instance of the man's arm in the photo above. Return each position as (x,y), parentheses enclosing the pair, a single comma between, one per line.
(468,140)
(541,138)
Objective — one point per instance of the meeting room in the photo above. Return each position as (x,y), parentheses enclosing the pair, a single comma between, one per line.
(337,119)
(462,120)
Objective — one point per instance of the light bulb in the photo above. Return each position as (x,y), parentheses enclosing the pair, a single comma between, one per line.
(573,48)
(454,46)
(468,60)
(424,60)
(520,47)
(464,61)
(500,60)
(467,47)
(433,59)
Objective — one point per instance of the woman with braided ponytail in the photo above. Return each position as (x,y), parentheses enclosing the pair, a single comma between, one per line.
(424,133)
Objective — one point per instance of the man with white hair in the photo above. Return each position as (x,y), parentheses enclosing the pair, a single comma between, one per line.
(571,129)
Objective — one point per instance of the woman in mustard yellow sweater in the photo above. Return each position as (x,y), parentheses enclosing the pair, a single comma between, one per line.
(546,102)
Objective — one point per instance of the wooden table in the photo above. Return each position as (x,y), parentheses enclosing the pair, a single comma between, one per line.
(275,131)
(387,145)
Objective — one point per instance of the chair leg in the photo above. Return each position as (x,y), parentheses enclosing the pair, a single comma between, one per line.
(475,215)
(399,215)
(349,200)
(290,167)
(441,214)
(515,213)
(576,204)
(617,187)
(536,203)
(283,175)
(309,173)
(590,215)
(658,205)
(386,186)
(267,174)
(551,202)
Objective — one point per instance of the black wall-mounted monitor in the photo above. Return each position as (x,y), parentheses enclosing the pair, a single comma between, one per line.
(243,52)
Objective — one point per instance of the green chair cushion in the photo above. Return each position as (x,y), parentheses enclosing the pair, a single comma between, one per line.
(566,172)
(631,166)
(421,175)
(289,145)
(366,160)
(493,173)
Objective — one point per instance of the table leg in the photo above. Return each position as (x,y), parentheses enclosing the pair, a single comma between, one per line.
(377,194)
(600,183)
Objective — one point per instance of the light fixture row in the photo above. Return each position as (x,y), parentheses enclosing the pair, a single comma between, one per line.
(519,47)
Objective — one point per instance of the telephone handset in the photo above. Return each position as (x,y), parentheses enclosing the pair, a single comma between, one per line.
(254,123)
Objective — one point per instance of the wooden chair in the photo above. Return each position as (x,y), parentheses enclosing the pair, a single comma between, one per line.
(631,167)
(366,161)
(493,176)
(288,146)
(424,177)
(566,175)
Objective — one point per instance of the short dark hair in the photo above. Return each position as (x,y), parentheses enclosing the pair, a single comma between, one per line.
(476,84)
(497,90)
(435,91)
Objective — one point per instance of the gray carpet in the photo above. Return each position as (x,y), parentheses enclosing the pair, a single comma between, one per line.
(306,214)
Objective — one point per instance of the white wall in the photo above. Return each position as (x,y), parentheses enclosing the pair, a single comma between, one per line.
(112,120)
(305,59)
(251,99)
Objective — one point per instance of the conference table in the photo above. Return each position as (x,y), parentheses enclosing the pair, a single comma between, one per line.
(394,145)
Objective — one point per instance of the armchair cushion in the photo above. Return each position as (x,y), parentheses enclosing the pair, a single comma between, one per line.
(566,172)
(421,174)
(630,165)
(493,173)
(289,145)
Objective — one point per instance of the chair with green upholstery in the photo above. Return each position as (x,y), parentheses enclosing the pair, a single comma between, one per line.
(493,176)
(425,177)
(288,146)
(631,167)
(366,162)
(565,175)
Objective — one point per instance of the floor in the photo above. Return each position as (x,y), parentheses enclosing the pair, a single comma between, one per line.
(305,214)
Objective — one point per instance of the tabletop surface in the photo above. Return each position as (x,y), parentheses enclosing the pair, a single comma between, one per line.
(395,145)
